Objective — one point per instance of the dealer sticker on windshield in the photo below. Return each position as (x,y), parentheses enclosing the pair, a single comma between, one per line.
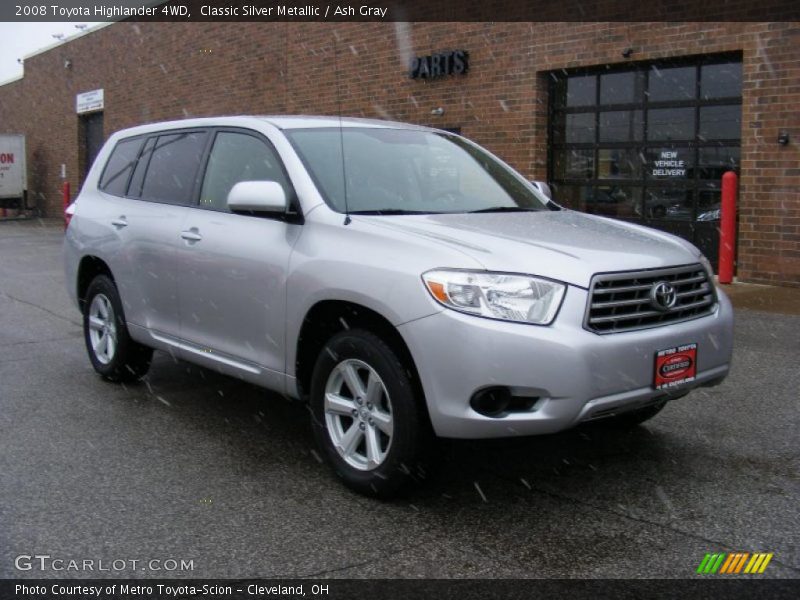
(675,366)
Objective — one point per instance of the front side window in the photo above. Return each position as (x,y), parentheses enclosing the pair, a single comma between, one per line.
(408,171)
(173,167)
(237,157)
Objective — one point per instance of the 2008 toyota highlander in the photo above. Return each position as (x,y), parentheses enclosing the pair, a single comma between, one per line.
(404,281)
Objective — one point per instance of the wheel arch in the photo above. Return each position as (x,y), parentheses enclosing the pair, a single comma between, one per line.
(326,318)
(90,267)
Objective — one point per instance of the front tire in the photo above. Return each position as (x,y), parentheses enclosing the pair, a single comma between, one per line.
(366,417)
(112,352)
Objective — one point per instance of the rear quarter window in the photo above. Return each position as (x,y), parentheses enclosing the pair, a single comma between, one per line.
(119,166)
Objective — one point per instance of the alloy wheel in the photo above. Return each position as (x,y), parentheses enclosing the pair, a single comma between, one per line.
(102,329)
(358,414)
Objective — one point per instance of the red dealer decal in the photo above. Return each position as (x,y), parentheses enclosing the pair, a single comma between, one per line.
(675,366)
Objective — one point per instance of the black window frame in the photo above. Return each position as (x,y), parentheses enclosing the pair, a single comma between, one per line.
(644,182)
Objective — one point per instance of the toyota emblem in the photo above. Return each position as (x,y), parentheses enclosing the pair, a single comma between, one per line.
(663,296)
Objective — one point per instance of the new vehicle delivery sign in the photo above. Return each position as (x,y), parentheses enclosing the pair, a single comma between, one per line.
(12,166)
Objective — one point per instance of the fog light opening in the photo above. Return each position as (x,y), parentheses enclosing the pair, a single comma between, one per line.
(522,403)
(491,402)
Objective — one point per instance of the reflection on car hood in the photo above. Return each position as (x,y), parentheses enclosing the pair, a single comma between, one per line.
(563,245)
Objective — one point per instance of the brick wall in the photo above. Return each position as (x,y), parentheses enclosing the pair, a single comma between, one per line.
(157,71)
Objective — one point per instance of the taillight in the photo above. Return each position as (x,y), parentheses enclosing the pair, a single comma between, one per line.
(68,212)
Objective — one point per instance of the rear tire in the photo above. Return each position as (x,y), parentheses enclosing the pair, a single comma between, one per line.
(112,352)
(367,420)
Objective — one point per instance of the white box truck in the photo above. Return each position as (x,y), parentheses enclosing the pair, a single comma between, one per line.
(13,174)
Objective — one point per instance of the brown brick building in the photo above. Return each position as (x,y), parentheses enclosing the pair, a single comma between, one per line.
(632,120)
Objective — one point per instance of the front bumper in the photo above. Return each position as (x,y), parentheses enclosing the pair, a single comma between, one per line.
(575,374)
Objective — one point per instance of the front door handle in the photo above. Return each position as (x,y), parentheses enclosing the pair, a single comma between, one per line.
(191,235)
(120,223)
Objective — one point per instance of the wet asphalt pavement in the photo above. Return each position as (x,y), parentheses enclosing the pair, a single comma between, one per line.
(199,467)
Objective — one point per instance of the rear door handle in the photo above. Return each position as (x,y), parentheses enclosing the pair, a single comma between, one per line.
(120,223)
(191,235)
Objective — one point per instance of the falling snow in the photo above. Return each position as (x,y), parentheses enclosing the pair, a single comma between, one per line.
(480,491)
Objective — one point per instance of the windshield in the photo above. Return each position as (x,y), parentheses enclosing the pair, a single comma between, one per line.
(401,171)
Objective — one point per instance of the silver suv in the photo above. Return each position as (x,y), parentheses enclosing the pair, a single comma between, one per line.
(402,280)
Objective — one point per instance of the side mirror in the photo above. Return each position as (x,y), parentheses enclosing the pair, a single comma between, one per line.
(257,197)
(544,188)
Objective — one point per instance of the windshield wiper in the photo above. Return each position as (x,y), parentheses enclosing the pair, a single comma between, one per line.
(502,209)
(389,211)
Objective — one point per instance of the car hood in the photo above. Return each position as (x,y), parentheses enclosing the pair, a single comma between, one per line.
(564,245)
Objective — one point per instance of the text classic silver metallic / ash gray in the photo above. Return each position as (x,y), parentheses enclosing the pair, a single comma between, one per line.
(404,281)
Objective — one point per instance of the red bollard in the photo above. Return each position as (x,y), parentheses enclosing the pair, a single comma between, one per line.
(727,227)
(65,192)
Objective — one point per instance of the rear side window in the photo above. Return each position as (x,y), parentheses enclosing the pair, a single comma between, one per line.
(119,167)
(173,167)
(238,157)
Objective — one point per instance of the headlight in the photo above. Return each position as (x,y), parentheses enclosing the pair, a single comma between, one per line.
(501,296)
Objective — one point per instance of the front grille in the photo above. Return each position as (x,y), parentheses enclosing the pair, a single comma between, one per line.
(622,301)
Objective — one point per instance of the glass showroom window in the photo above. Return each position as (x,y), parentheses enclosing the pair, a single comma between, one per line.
(648,143)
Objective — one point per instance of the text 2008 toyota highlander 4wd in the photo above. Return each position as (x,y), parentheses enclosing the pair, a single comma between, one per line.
(403,280)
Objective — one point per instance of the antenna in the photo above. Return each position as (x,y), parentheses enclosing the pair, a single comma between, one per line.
(341,132)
